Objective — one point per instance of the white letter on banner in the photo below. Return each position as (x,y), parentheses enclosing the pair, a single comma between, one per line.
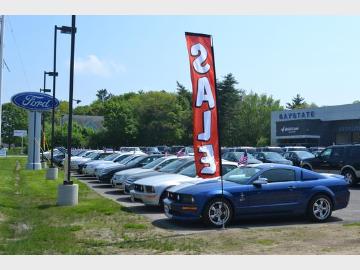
(207,127)
(197,63)
(204,93)
(208,159)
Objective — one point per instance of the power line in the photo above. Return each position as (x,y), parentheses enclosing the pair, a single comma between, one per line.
(18,53)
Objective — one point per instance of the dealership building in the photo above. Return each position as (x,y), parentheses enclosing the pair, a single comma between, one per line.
(321,126)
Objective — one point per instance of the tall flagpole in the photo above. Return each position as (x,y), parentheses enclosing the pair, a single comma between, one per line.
(218,125)
(1,65)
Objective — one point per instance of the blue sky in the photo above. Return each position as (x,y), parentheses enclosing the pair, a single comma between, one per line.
(318,57)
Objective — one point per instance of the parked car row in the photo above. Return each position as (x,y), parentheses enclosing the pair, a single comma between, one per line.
(252,189)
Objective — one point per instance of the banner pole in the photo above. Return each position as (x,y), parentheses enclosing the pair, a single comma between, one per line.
(218,126)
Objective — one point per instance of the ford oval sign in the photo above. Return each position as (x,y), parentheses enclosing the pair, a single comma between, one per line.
(34,101)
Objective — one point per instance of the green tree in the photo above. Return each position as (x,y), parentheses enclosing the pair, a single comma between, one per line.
(229,100)
(103,95)
(252,122)
(160,116)
(120,123)
(297,102)
(184,97)
(12,118)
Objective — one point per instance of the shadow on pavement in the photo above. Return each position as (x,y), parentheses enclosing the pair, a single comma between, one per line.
(87,178)
(241,224)
(94,182)
(101,185)
(113,192)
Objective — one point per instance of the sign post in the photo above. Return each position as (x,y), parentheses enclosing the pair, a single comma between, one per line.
(21,133)
(34,103)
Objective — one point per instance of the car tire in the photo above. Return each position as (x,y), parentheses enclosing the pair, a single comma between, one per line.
(350,176)
(320,208)
(162,197)
(216,212)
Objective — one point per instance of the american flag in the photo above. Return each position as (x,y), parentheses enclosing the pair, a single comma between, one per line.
(243,160)
(181,153)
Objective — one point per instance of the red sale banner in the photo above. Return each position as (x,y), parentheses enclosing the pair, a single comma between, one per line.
(205,132)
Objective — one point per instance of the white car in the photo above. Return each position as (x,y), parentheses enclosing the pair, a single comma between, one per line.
(152,190)
(120,178)
(108,163)
(74,162)
(89,166)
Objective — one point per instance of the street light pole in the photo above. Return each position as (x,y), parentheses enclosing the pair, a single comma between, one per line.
(53,101)
(71,94)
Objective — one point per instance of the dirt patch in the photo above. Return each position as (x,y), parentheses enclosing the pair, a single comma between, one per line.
(310,240)
(2,217)
(21,228)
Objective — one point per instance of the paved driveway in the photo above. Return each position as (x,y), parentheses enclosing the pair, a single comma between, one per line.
(156,215)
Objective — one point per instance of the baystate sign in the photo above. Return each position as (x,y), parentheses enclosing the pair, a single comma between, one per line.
(296,115)
(34,101)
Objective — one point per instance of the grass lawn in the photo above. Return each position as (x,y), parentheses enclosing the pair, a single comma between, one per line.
(31,223)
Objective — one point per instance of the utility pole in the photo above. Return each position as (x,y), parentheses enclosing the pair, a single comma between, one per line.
(1,65)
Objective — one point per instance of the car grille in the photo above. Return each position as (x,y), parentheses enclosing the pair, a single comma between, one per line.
(139,188)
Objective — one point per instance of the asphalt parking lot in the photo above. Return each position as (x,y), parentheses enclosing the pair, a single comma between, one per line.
(158,219)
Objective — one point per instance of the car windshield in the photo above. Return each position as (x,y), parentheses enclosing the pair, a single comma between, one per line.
(93,155)
(189,171)
(127,159)
(238,155)
(111,157)
(189,150)
(304,154)
(87,154)
(241,175)
(272,155)
(174,165)
(79,154)
(154,163)
(135,160)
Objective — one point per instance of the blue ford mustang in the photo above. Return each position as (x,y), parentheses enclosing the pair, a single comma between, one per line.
(258,190)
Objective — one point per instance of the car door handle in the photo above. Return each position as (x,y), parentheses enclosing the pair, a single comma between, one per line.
(291,187)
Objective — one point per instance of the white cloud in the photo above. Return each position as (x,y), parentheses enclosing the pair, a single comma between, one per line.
(94,66)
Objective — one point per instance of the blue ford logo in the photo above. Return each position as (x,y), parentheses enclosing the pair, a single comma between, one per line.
(34,101)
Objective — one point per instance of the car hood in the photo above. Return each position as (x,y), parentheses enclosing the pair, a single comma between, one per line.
(104,162)
(280,161)
(133,171)
(139,176)
(203,185)
(309,160)
(254,161)
(109,165)
(159,179)
(95,162)
(79,160)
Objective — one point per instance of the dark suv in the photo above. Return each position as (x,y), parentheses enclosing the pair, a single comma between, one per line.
(339,159)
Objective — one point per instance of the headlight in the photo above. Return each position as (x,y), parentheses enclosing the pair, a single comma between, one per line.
(149,189)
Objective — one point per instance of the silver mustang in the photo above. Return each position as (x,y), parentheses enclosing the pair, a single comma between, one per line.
(152,190)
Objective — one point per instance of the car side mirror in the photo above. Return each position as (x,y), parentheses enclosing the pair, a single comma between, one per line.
(261,181)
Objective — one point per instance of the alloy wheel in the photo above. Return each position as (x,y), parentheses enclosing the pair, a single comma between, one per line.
(219,213)
(349,176)
(321,208)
